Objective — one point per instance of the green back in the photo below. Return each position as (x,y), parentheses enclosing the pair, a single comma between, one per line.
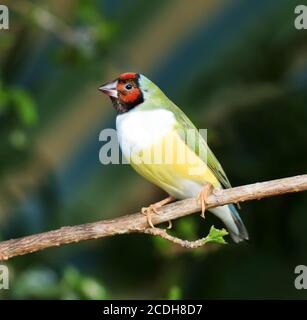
(155,99)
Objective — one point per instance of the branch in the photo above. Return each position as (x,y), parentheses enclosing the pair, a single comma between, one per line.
(138,223)
(190,244)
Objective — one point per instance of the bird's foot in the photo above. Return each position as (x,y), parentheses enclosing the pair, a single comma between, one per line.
(202,197)
(148,212)
(152,209)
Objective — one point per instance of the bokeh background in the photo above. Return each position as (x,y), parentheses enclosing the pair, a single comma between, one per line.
(236,67)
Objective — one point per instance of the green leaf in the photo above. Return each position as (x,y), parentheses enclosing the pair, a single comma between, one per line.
(25,106)
(216,235)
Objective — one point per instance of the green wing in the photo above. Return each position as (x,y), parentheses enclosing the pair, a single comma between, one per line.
(196,141)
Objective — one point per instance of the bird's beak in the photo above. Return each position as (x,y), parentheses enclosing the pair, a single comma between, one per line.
(109,89)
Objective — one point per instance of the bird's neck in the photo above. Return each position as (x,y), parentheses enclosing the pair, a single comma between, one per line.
(122,107)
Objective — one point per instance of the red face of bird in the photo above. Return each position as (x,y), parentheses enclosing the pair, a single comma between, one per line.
(124,91)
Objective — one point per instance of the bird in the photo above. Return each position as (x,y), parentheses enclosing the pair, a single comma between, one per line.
(146,121)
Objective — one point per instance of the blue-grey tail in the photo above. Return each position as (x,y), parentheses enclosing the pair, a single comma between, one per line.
(242,233)
(235,226)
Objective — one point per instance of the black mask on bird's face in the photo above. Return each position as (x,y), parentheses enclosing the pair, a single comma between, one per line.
(124,92)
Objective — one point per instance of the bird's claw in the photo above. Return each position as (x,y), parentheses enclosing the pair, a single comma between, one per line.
(149,211)
(203,204)
(170,225)
(202,198)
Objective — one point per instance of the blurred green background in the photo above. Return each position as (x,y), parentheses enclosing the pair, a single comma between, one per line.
(236,67)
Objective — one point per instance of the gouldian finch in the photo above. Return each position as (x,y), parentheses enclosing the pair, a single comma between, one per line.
(146,120)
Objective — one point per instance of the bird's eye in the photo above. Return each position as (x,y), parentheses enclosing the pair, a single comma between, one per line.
(128,86)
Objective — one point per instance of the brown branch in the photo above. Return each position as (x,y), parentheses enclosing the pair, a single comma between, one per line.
(183,243)
(137,222)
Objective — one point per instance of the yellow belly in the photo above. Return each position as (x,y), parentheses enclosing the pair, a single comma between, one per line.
(172,166)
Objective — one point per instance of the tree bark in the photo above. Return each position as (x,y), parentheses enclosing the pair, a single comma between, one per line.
(138,223)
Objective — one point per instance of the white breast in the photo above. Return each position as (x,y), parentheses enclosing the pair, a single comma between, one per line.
(139,129)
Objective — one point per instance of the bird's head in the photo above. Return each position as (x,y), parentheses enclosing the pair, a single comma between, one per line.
(125,91)
(129,90)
